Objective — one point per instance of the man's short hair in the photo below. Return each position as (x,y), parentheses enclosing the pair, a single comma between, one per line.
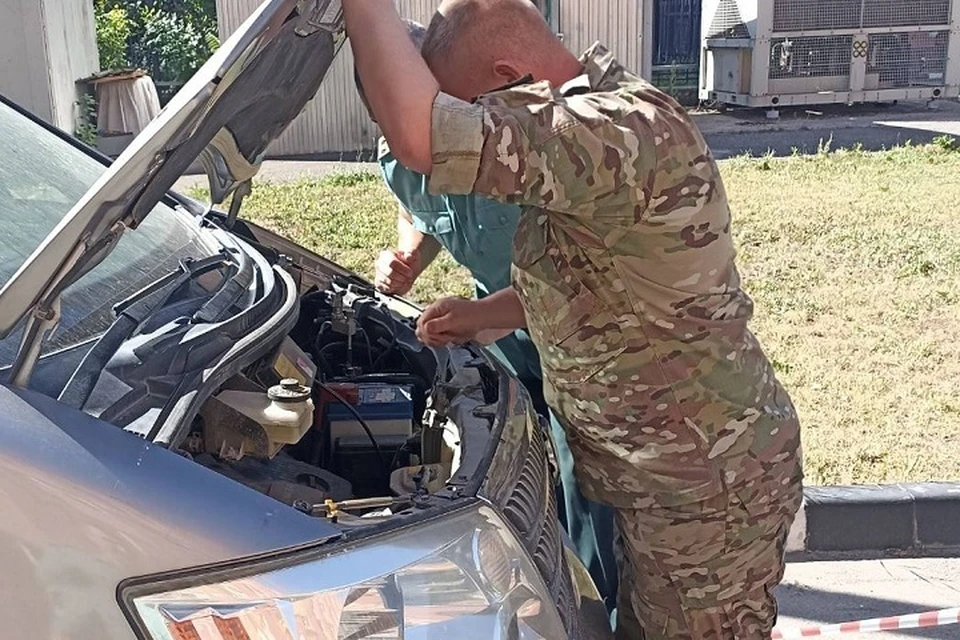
(464,25)
(443,33)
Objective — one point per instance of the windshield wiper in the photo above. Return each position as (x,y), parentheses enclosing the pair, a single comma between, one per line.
(131,314)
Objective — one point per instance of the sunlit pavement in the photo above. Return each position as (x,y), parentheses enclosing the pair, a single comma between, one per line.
(817,593)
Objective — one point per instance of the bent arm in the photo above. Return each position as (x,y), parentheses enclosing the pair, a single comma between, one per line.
(413,242)
(550,152)
(502,310)
(457,320)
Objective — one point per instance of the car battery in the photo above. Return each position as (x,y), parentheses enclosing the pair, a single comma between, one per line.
(357,459)
(387,409)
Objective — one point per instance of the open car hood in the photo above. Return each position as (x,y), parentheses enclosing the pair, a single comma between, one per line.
(227,114)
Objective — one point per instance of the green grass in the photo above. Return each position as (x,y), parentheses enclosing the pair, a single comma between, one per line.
(348,218)
(853,259)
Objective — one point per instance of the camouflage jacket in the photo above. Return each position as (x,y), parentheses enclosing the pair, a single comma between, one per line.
(624,262)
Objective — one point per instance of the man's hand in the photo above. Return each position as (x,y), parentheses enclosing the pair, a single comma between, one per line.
(449,321)
(397,271)
(458,320)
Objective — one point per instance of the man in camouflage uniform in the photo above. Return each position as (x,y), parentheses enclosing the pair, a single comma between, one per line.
(477,232)
(624,273)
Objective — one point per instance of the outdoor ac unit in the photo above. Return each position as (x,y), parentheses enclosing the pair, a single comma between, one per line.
(767,53)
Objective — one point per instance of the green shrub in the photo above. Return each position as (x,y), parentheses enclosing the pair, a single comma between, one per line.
(169,39)
(113,35)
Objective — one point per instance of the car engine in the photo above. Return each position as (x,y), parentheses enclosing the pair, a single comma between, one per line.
(351,417)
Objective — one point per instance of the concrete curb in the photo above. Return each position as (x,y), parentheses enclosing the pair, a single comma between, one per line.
(899,519)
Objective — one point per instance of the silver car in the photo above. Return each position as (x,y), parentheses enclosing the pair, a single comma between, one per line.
(209,432)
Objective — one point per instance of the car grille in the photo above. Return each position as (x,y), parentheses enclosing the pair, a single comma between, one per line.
(528,502)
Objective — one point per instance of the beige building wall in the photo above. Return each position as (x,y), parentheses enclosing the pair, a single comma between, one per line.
(624,26)
(46,46)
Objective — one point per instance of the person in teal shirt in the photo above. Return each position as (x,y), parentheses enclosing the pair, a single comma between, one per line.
(478,234)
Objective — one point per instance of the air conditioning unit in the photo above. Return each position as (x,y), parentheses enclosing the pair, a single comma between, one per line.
(769,53)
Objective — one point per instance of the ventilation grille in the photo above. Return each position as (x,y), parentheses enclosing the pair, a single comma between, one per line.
(531,507)
(811,15)
(728,23)
(905,13)
(525,506)
(808,15)
(913,59)
(810,57)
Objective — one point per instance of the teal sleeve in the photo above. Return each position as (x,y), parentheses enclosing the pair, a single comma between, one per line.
(410,189)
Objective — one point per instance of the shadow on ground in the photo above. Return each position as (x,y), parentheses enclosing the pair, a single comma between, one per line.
(820,607)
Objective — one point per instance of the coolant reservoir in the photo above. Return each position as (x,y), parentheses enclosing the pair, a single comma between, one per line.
(285,412)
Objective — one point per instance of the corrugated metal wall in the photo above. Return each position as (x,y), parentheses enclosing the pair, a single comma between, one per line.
(336,123)
(622,25)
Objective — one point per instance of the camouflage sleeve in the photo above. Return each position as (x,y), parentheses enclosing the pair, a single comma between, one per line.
(535,149)
(456,141)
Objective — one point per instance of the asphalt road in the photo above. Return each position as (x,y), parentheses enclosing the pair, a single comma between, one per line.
(872,127)
(873,137)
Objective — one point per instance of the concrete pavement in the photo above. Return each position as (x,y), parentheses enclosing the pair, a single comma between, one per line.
(816,593)
(803,129)
(825,117)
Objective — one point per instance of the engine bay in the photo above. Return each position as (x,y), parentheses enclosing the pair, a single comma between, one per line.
(351,418)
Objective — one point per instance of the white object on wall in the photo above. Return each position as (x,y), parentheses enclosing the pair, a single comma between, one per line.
(126,104)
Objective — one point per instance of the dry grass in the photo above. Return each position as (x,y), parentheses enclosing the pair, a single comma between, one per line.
(854,262)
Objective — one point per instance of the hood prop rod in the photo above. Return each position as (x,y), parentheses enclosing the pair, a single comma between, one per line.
(243,190)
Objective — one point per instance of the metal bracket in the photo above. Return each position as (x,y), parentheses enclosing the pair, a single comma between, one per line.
(319,14)
(40,324)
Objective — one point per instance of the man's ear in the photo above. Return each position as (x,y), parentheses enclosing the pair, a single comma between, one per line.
(506,71)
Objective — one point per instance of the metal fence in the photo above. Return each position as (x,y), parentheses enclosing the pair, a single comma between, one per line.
(676,32)
(676,47)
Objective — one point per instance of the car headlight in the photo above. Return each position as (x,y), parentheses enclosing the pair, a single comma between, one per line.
(461,576)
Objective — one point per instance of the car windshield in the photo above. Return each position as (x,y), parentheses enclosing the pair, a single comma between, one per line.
(41,177)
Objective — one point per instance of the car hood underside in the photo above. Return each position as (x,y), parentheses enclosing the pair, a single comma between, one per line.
(242,99)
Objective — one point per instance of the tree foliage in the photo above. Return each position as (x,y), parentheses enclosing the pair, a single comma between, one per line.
(170,39)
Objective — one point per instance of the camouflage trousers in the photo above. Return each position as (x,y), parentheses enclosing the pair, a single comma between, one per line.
(705,571)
